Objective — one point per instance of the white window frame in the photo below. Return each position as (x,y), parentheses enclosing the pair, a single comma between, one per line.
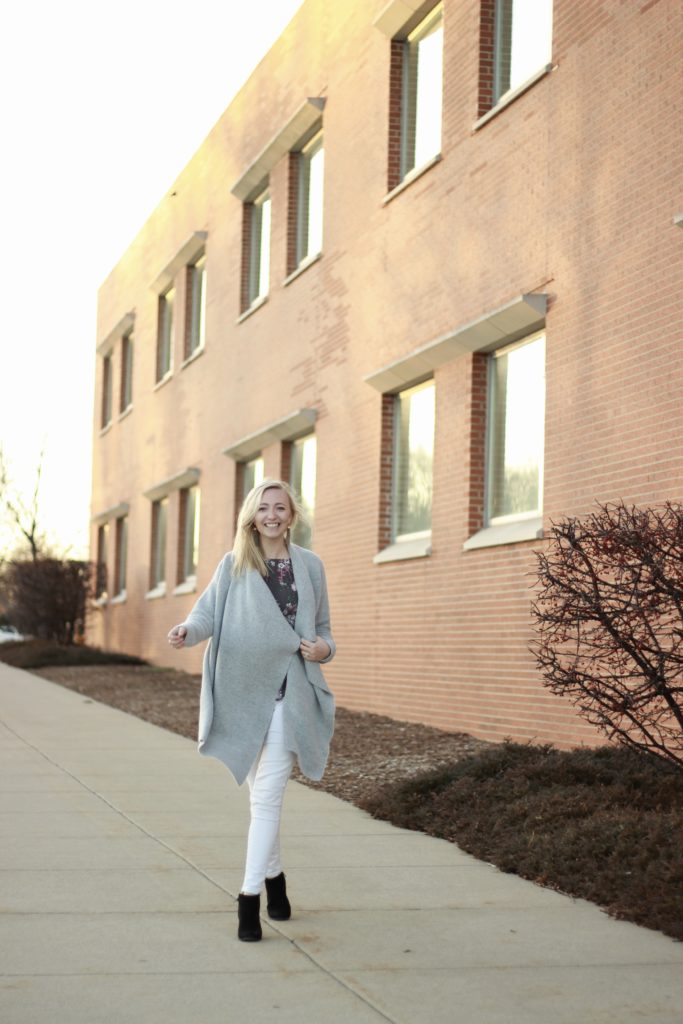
(299,537)
(258,474)
(410,161)
(107,412)
(121,556)
(306,249)
(189,541)
(165,333)
(158,548)
(258,273)
(502,54)
(403,538)
(102,564)
(532,515)
(127,356)
(196,288)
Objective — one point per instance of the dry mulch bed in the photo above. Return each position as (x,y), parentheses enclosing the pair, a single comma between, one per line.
(605,824)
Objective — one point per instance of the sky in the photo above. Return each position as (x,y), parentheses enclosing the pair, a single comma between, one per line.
(103,105)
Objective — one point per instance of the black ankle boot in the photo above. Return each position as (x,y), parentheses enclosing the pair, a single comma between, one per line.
(278,904)
(249,928)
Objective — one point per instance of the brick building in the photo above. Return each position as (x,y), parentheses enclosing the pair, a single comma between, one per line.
(428,266)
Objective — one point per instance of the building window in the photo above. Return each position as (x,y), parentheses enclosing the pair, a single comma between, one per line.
(414,412)
(158,549)
(126,397)
(307,171)
(188,534)
(252,475)
(195,332)
(302,477)
(107,390)
(516,419)
(515,44)
(416,97)
(101,566)
(121,555)
(165,334)
(256,270)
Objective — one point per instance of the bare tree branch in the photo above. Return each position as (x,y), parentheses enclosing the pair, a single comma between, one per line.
(609,623)
(24,517)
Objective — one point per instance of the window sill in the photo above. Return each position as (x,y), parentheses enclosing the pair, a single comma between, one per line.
(199,351)
(188,586)
(304,265)
(506,533)
(256,304)
(125,412)
(419,547)
(158,591)
(164,380)
(100,602)
(105,430)
(119,598)
(410,177)
(511,96)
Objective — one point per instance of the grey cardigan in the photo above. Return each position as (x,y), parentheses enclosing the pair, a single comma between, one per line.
(251,648)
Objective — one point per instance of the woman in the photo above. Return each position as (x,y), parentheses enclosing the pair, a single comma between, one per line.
(264,700)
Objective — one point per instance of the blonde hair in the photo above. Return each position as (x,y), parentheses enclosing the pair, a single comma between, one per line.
(246,551)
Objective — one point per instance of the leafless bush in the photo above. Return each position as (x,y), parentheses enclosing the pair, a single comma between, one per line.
(609,623)
(48,598)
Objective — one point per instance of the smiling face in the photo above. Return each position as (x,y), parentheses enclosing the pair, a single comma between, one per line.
(273,515)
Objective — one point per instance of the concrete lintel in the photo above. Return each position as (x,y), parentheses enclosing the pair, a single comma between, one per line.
(508,323)
(399,17)
(287,138)
(186,478)
(188,252)
(296,424)
(678,220)
(113,512)
(123,326)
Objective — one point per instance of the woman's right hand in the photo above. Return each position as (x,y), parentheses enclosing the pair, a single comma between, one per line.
(176,637)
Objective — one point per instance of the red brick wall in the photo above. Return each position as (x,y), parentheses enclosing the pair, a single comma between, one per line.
(476,455)
(386,450)
(247,213)
(571,191)
(486,54)
(293,161)
(394,120)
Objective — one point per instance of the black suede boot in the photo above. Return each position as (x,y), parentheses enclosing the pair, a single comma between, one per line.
(249,928)
(279,908)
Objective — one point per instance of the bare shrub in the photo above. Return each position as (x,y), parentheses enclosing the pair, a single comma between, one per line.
(609,623)
(47,598)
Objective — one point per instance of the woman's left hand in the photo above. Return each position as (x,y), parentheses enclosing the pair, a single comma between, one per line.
(314,650)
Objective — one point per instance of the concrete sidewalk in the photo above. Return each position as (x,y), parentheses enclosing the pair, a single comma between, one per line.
(121,855)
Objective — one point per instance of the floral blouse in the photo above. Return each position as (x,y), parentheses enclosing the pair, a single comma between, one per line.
(282,585)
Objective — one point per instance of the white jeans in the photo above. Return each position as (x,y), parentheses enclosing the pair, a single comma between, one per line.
(267,780)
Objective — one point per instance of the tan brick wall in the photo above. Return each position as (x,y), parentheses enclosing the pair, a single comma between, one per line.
(570,190)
